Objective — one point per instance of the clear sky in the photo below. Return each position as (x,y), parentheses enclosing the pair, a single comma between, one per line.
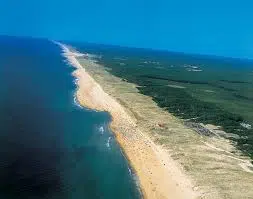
(220,27)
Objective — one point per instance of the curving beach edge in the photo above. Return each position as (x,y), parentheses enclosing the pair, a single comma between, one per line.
(170,159)
(159,176)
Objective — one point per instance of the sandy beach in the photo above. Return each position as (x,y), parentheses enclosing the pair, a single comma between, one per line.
(158,175)
(171,159)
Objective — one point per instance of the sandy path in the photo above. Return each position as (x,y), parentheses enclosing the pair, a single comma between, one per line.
(159,176)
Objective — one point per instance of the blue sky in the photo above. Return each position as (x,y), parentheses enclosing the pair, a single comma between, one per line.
(220,27)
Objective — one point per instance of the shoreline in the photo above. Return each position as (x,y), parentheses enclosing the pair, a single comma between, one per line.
(158,174)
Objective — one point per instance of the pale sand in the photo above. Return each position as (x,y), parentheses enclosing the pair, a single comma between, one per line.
(158,174)
(216,168)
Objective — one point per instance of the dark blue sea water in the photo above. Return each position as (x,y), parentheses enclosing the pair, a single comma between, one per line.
(49,147)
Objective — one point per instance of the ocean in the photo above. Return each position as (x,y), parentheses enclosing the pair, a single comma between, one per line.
(50,146)
(198,89)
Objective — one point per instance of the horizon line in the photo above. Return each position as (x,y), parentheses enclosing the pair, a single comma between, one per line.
(133,47)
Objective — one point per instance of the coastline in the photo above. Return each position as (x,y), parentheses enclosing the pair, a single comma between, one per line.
(158,174)
(207,167)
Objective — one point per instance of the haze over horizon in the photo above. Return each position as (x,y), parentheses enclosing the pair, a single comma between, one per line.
(211,27)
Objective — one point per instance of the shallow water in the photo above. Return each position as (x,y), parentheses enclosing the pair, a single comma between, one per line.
(50,146)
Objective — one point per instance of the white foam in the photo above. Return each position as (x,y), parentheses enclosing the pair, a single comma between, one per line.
(151,62)
(194,70)
(129,170)
(101,129)
(108,142)
(194,67)
(75,81)
(70,57)
(76,102)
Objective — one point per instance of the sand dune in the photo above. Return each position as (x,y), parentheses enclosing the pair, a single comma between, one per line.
(159,175)
(171,159)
